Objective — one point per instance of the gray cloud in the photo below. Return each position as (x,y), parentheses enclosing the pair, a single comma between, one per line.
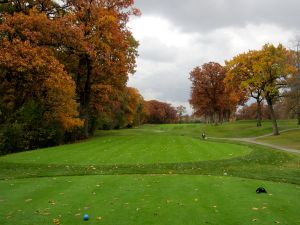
(153,49)
(176,36)
(195,15)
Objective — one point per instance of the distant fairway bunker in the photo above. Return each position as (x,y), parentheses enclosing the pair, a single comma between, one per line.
(133,149)
(140,199)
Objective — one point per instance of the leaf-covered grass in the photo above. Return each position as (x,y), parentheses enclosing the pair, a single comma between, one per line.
(290,139)
(163,174)
(135,199)
(261,163)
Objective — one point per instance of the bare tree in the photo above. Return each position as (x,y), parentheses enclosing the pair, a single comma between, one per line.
(293,95)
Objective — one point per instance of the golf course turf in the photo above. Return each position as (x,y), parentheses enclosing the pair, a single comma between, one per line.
(156,174)
(288,139)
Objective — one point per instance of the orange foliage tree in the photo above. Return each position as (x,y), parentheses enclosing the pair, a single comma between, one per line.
(274,67)
(30,74)
(209,96)
(118,109)
(264,74)
(241,75)
(77,49)
(108,53)
(248,112)
(133,107)
(160,112)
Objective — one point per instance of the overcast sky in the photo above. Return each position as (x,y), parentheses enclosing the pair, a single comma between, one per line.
(175,36)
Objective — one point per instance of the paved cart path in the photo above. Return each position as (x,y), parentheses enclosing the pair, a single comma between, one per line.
(254,141)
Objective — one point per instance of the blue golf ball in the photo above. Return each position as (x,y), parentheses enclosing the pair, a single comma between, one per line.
(85,217)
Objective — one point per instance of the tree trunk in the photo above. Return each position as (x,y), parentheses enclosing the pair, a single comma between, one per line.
(273,117)
(298,115)
(84,93)
(258,113)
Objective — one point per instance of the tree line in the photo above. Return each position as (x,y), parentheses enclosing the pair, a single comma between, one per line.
(64,68)
(269,75)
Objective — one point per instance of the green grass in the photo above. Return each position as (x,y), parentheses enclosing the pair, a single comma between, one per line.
(237,129)
(134,199)
(290,139)
(162,174)
(130,147)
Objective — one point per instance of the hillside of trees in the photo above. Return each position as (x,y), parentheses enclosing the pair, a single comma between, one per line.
(64,69)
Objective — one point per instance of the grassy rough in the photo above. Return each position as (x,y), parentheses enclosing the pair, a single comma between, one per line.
(290,139)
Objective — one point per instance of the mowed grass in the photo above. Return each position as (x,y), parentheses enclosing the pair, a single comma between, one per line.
(132,147)
(156,174)
(239,129)
(290,139)
(135,199)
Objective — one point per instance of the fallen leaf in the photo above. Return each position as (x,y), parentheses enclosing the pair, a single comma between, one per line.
(180,204)
(99,218)
(52,202)
(56,221)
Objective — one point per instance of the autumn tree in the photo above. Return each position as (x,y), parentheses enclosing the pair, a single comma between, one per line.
(264,73)
(209,96)
(109,50)
(181,110)
(241,75)
(249,112)
(91,46)
(119,109)
(133,107)
(160,112)
(283,110)
(31,79)
(292,95)
(274,67)
(90,38)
